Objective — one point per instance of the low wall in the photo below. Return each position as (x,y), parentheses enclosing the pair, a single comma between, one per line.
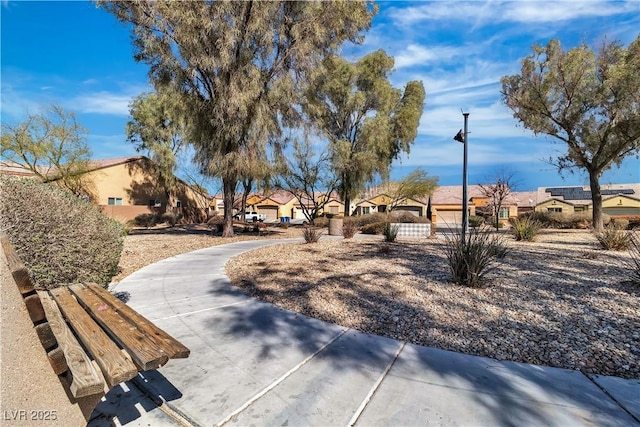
(412,230)
(125,213)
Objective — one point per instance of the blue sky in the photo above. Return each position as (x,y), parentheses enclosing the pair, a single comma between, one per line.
(78,56)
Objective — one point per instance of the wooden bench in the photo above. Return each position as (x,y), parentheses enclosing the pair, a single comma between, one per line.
(91,337)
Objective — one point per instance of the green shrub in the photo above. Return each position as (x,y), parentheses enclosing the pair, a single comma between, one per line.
(374,228)
(390,232)
(525,228)
(312,234)
(475,221)
(349,228)
(59,237)
(470,260)
(611,238)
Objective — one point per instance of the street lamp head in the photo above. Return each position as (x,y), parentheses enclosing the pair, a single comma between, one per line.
(459,136)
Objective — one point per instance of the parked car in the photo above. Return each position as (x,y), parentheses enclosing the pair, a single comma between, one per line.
(250,216)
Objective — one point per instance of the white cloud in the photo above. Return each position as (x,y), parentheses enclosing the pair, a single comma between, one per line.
(420,55)
(102,102)
(510,11)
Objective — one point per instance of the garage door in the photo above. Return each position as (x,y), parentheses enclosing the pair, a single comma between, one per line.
(448,218)
(414,210)
(621,211)
(271,212)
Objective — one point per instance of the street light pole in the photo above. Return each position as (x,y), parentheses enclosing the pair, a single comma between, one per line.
(465,198)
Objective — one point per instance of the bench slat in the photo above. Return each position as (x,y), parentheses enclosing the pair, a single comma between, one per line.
(114,365)
(86,381)
(144,352)
(18,270)
(174,348)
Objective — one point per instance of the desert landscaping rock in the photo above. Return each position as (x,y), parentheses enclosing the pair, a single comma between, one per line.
(545,303)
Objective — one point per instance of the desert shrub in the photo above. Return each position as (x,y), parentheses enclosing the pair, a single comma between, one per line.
(634,262)
(311,234)
(374,228)
(620,223)
(612,238)
(372,218)
(524,228)
(556,220)
(284,225)
(59,237)
(169,218)
(349,227)
(470,260)
(321,222)
(475,221)
(390,232)
(403,217)
(216,222)
(146,220)
(633,221)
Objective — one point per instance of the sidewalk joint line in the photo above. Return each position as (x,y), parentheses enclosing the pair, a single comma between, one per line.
(610,396)
(278,381)
(375,387)
(199,311)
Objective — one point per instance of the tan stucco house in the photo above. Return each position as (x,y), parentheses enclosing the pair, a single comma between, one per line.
(124,188)
(617,199)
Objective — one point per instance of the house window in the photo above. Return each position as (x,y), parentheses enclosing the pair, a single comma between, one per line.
(333,209)
(114,201)
(155,203)
(554,210)
(504,213)
(366,210)
(178,203)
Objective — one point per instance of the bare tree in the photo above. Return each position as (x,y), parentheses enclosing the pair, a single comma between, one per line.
(309,177)
(415,185)
(498,192)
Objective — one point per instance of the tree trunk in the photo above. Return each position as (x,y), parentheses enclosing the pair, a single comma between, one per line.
(347,204)
(229,189)
(246,189)
(596,201)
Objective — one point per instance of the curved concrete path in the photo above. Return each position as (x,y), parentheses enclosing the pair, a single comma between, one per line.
(252,363)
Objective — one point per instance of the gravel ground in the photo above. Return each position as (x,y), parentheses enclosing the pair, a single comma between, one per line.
(143,247)
(559,301)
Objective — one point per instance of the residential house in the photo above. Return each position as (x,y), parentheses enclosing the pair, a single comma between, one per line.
(125,187)
(446,204)
(617,199)
(283,204)
(383,203)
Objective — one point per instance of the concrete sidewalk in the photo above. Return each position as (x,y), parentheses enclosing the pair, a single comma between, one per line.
(252,363)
